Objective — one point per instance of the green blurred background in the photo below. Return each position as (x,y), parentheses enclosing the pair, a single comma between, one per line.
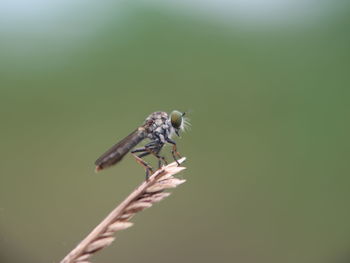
(265,84)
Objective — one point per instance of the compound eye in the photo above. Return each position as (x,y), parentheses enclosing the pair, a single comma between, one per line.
(176,119)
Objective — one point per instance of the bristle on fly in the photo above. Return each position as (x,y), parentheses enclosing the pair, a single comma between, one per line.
(185,125)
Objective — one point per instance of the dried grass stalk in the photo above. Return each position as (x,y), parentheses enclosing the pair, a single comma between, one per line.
(148,193)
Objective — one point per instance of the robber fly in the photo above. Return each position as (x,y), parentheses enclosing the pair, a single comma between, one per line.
(159,127)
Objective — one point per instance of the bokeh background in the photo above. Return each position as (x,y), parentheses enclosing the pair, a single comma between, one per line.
(265,84)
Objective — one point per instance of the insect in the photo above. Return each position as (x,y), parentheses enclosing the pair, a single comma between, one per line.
(159,127)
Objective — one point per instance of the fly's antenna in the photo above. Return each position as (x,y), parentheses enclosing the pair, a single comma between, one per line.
(186,124)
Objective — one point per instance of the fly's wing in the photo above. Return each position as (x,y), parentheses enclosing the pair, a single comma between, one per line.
(118,151)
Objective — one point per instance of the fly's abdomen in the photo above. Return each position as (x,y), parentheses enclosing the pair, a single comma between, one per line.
(118,151)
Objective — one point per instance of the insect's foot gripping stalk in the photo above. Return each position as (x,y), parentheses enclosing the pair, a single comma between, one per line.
(175,153)
(148,168)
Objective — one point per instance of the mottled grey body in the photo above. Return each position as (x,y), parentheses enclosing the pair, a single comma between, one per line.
(157,127)
(160,128)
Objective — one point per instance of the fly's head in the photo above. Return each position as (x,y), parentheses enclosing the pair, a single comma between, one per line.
(178,121)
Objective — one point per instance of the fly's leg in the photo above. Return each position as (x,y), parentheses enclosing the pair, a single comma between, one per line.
(151,148)
(138,150)
(160,158)
(139,159)
(155,151)
(174,150)
(154,148)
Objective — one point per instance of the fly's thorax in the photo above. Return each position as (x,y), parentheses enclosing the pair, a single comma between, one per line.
(157,117)
(160,130)
(159,126)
